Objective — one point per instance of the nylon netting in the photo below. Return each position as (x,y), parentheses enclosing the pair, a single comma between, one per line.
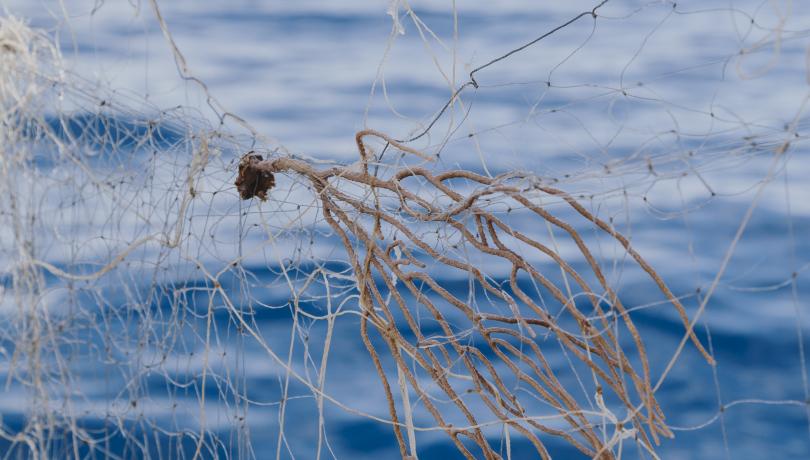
(590,242)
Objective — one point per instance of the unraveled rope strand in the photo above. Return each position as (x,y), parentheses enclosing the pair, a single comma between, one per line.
(378,271)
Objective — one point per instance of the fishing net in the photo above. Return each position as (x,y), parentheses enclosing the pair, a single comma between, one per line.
(585,244)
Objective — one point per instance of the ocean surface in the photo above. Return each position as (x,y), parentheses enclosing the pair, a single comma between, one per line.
(685,124)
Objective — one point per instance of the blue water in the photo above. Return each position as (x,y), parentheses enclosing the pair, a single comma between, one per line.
(647,115)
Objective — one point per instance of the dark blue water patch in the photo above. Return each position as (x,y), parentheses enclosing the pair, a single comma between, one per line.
(127,439)
(710,231)
(440,450)
(730,342)
(267,284)
(518,447)
(365,437)
(297,268)
(687,396)
(107,130)
(557,448)
(104,135)
(188,389)
(196,295)
(771,352)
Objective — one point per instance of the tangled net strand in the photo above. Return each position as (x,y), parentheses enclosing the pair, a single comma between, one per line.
(381,263)
(147,311)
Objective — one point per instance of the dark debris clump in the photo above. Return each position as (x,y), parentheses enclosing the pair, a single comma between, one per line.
(253,180)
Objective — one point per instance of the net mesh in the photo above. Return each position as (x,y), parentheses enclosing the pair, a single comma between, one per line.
(588,243)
